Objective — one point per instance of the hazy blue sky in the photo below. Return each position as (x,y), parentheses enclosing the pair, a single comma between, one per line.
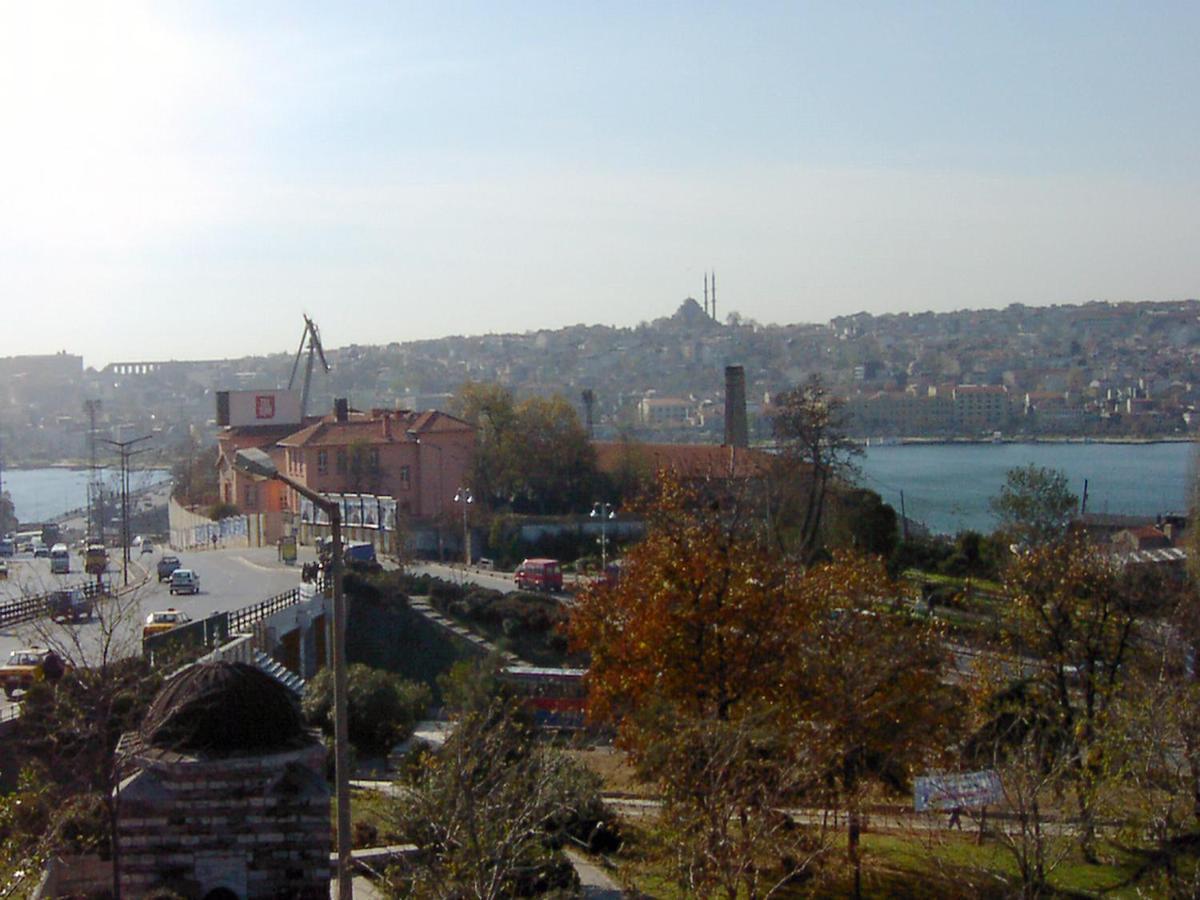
(183,180)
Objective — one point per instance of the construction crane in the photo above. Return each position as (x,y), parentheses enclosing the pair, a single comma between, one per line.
(315,349)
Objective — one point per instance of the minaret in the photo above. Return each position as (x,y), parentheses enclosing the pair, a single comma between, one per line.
(714,295)
(706,293)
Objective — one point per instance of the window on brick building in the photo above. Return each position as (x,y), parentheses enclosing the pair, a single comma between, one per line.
(405,477)
(342,462)
(322,462)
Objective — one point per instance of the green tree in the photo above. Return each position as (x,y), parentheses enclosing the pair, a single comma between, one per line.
(858,519)
(488,809)
(1074,625)
(471,685)
(382,710)
(1034,506)
(491,409)
(534,456)
(809,426)
(556,467)
(71,725)
(194,474)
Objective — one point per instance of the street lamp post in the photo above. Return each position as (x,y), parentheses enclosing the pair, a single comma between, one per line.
(463,496)
(603,512)
(257,463)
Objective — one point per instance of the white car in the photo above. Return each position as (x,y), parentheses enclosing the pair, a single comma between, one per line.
(184,581)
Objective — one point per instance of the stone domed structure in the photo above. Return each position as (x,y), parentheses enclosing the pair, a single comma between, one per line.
(223,792)
(224,709)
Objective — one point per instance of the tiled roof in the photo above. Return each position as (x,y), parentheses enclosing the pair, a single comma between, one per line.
(369,428)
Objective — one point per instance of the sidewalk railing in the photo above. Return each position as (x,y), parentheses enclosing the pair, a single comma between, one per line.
(241,620)
(34,607)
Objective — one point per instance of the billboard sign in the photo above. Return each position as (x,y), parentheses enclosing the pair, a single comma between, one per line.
(359,510)
(961,790)
(249,408)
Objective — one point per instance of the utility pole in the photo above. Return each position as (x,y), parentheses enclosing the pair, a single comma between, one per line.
(95,520)
(123,447)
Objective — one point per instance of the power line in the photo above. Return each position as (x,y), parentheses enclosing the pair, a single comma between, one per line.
(126,453)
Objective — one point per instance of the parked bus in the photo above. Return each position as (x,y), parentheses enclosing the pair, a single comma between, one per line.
(555,697)
(60,560)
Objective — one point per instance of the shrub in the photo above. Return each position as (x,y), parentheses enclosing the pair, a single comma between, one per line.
(383,708)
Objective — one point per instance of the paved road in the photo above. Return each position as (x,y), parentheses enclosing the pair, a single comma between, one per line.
(499,581)
(229,579)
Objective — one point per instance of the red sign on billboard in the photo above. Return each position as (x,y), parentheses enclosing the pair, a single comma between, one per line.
(264,406)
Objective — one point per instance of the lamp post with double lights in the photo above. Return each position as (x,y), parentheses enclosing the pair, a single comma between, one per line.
(257,463)
(604,512)
(463,495)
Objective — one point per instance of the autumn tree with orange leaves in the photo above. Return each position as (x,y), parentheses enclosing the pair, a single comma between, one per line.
(828,682)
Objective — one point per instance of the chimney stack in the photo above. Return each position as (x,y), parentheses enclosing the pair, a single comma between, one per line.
(735,407)
(341,409)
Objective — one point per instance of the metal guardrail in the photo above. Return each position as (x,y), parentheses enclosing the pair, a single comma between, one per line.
(240,620)
(218,628)
(204,632)
(29,608)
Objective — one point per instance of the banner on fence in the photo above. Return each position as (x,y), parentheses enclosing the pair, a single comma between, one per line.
(963,790)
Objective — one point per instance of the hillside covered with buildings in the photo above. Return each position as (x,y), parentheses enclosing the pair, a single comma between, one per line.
(1101,370)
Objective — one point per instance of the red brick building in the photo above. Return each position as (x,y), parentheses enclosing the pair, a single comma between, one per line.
(419,458)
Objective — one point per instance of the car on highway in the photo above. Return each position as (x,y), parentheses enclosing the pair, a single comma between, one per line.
(167,565)
(8,547)
(164,620)
(184,581)
(70,605)
(147,547)
(539,575)
(24,667)
(95,559)
(40,550)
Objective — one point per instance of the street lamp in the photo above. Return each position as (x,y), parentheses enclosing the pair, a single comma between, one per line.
(604,512)
(463,496)
(257,463)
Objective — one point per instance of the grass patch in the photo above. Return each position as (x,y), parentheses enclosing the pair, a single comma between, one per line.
(893,866)
(616,774)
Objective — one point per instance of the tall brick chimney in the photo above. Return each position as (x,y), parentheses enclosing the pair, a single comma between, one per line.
(341,409)
(736,434)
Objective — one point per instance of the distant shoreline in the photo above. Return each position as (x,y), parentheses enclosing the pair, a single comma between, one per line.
(983,441)
(75,467)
